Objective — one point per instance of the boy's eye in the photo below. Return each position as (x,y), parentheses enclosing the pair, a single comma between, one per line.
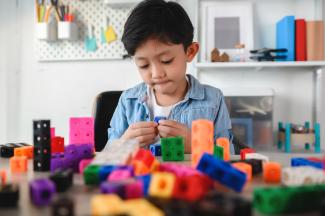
(168,62)
(143,66)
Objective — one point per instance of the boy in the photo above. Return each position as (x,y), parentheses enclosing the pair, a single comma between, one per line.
(159,35)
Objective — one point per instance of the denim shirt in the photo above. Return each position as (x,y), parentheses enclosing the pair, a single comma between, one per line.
(200,102)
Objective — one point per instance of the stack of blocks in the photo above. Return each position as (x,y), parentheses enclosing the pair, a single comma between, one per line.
(224,143)
(172,148)
(82,131)
(202,139)
(42,145)
(144,162)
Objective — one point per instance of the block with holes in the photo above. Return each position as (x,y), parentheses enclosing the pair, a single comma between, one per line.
(245,168)
(42,132)
(63,179)
(257,156)
(91,175)
(202,139)
(245,151)
(9,195)
(162,184)
(172,148)
(81,130)
(99,205)
(224,142)
(18,164)
(63,207)
(57,144)
(27,151)
(218,152)
(41,191)
(272,172)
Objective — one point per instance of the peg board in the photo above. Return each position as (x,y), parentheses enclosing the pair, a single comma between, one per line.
(93,12)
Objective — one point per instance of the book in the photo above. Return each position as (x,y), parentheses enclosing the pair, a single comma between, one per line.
(315,40)
(301,52)
(285,36)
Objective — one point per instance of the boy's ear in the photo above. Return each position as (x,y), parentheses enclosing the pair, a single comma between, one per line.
(192,50)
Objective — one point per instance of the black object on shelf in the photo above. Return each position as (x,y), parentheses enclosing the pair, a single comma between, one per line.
(267,54)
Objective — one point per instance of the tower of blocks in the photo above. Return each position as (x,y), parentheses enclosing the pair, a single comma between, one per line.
(42,145)
(290,135)
(172,148)
(202,139)
(82,131)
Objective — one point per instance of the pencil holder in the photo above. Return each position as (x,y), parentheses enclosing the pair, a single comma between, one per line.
(68,31)
(46,31)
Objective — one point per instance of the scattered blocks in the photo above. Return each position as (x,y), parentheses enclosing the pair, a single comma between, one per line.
(162,185)
(271,172)
(63,179)
(244,151)
(63,207)
(9,195)
(155,149)
(18,164)
(172,148)
(42,191)
(202,139)
(245,168)
(224,142)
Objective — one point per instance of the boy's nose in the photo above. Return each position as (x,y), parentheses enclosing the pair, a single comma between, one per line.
(157,72)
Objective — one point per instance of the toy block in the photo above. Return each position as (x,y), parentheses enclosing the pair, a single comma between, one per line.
(58,163)
(63,207)
(18,164)
(257,165)
(245,151)
(317,137)
(42,133)
(222,172)
(271,172)
(224,142)
(139,207)
(3,177)
(52,132)
(104,172)
(158,118)
(172,206)
(140,168)
(146,179)
(99,205)
(155,149)
(63,179)
(83,164)
(202,139)
(305,162)
(8,150)
(41,151)
(27,151)
(162,184)
(118,175)
(178,169)
(145,156)
(116,188)
(91,175)
(218,152)
(9,195)
(245,168)
(302,175)
(134,190)
(57,144)
(41,191)
(257,156)
(81,131)
(172,148)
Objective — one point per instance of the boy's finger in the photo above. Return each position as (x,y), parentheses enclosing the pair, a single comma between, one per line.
(143,131)
(143,125)
(169,131)
(145,139)
(170,123)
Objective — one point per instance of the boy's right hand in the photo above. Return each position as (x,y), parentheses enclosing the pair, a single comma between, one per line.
(144,132)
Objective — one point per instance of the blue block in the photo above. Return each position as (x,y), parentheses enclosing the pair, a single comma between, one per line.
(157,118)
(285,36)
(304,162)
(222,172)
(146,183)
(104,172)
(155,149)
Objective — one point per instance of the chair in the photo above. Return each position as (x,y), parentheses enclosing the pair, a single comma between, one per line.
(105,105)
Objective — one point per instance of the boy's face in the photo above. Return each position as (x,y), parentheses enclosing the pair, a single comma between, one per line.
(163,66)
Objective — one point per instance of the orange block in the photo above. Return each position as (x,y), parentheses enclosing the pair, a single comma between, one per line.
(18,164)
(202,139)
(27,151)
(140,168)
(224,142)
(271,172)
(245,168)
(3,177)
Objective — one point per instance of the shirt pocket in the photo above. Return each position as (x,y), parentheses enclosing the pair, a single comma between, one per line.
(193,114)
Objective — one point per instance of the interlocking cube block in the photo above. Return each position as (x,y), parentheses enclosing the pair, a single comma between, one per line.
(244,151)
(42,132)
(218,152)
(172,148)
(42,164)
(18,164)
(9,195)
(85,151)
(155,149)
(52,132)
(57,144)
(58,163)
(99,205)
(305,162)
(27,151)
(272,172)
(158,118)
(302,175)
(82,131)
(257,165)
(7,150)
(222,172)
(145,156)
(42,151)
(202,139)
(63,179)
(112,188)
(140,168)
(41,191)
(224,142)
(91,175)
(3,177)
(257,156)
(245,168)
(146,179)
(83,164)
(138,207)
(63,207)
(134,189)
(178,169)
(120,174)
(162,184)
(155,166)
(105,171)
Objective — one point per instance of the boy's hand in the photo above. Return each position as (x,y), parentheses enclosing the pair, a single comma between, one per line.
(144,132)
(170,128)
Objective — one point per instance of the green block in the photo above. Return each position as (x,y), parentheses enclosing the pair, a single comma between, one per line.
(307,146)
(218,152)
(172,148)
(91,175)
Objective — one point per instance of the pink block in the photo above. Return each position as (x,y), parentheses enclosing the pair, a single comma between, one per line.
(81,122)
(52,132)
(134,190)
(118,175)
(83,164)
(82,131)
(178,169)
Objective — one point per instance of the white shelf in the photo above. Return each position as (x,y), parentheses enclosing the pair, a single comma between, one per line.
(214,65)
(121,3)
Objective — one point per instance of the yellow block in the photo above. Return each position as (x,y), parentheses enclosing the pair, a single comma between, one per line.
(106,205)
(141,207)
(162,184)
(110,35)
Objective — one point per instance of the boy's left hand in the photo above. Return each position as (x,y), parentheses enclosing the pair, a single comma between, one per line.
(170,128)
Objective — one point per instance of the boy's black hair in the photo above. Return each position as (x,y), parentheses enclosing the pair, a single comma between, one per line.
(166,21)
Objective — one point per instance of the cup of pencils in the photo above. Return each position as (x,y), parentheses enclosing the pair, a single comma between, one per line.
(67,28)
(46,29)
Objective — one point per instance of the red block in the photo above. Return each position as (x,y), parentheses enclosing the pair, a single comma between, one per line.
(145,156)
(57,145)
(301,41)
(244,151)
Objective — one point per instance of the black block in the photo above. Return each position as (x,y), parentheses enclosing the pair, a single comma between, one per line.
(7,150)
(42,152)
(42,164)
(63,179)
(9,195)
(42,133)
(63,207)
(257,165)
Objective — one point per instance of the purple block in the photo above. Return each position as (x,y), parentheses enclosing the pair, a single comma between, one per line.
(120,174)
(41,191)
(70,149)
(85,151)
(57,163)
(57,155)
(125,167)
(112,188)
